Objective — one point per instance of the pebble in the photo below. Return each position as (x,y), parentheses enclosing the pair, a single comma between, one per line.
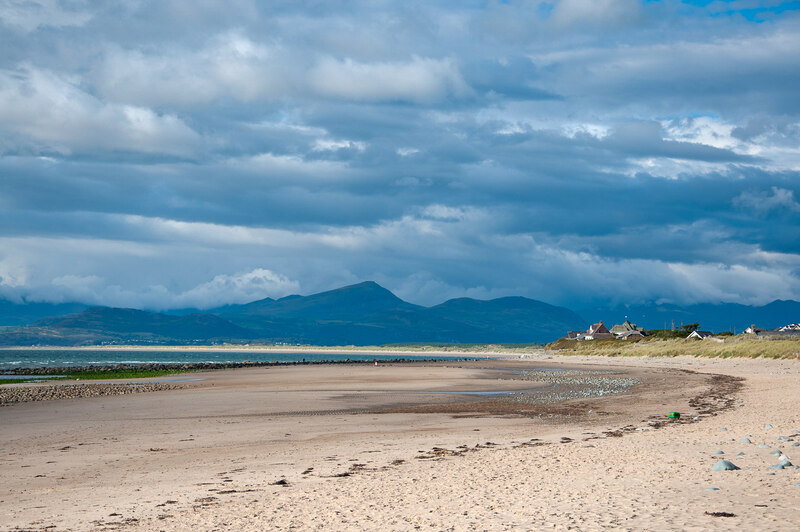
(741,453)
(763,446)
(575,384)
(776,452)
(718,452)
(767,426)
(24,394)
(724,430)
(712,489)
(724,465)
(796,444)
(731,439)
(745,440)
(781,438)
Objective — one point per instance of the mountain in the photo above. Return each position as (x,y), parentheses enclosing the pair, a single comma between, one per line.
(715,317)
(25,313)
(366,313)
(120,323)
(361,314)
(342,304)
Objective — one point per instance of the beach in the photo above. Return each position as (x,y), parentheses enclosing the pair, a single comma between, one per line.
(544,442)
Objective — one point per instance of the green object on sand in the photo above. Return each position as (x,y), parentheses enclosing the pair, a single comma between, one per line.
(675,415)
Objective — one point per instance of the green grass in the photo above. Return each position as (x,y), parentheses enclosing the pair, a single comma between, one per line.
(89,375)
(736,346)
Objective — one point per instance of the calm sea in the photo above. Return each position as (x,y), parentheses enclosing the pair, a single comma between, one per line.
(36,358)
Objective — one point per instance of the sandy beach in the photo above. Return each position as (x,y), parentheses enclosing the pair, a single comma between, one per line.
(416,446)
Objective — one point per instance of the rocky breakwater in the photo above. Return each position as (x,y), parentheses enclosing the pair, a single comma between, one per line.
(21,393)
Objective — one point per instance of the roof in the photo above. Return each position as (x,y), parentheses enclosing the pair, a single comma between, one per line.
(701,334)
(597,328)
(624,326)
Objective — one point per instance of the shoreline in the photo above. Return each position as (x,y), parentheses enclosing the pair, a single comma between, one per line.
(278,349)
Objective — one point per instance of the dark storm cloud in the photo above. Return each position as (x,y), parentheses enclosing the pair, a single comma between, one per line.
(174,153)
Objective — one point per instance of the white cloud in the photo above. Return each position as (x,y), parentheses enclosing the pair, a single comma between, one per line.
(230,65)
(763,201)
(595,13)
(335,145)
(238,288)
(57,114)
(420,80)
(30,15)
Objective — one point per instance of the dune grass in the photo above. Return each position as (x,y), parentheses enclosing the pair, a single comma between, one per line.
(745,347)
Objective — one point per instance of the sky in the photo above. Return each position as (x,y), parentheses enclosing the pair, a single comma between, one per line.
(168,154)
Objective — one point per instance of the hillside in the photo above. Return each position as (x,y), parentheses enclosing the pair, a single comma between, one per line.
(361,314)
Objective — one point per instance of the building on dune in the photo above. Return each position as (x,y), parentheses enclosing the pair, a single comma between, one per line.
(598,331)
(630,335)
(701,335)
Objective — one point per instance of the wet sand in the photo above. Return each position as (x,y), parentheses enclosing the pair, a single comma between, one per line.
(364,447)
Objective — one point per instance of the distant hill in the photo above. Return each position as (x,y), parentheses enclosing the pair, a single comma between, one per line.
(714,317)
(117,325)
(26,313)
(361,314)
(367,313)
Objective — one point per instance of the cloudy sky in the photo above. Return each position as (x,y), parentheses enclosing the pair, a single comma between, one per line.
(162,154)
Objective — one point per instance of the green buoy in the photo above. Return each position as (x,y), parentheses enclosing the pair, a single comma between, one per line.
(675,415)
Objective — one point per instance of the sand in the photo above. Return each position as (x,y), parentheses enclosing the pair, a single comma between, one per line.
(364,448)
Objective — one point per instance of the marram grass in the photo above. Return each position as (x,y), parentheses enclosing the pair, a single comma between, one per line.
(743,347)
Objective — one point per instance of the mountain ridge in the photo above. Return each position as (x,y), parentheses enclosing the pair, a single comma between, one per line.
(360,314)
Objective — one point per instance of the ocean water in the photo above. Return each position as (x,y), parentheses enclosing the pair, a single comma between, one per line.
(37,358)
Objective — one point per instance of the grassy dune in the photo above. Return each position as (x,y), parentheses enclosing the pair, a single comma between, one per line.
(747,347)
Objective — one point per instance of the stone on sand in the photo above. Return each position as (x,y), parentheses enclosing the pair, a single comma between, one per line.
(725,465)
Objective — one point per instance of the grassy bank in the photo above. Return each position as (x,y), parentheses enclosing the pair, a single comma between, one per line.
(89,375)
(746,347)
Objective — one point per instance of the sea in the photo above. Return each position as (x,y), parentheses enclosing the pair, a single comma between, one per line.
(11,359)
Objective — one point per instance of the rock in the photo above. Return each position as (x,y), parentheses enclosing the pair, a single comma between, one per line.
(724,465)
(763,446)
(776,452)
(740,453)
(745,440)
(767,426)
(731,439)
(796,444)
(782,465)
(723,430)
(712,489)
(718,452)
(696,418)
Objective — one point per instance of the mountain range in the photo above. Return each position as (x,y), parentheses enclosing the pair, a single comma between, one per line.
(360,314)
